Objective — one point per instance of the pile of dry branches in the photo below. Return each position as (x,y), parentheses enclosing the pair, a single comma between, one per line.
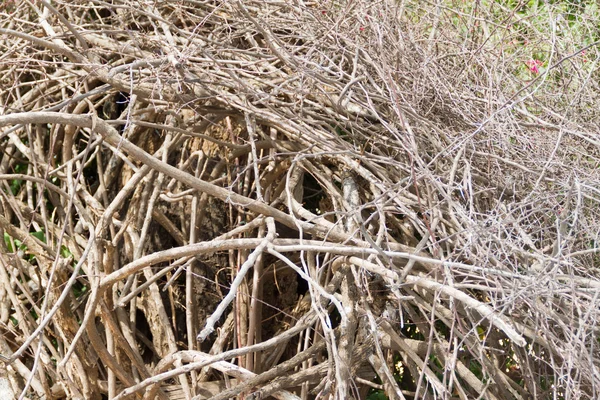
(211,199)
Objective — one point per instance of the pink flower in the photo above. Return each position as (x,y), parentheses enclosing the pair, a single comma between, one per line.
(534,65)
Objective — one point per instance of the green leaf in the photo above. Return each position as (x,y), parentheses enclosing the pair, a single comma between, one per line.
(8,243)
(39,235)
(377,395)
(15,186)
(65,252)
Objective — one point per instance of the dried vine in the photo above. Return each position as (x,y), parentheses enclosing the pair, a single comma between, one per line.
(210,199)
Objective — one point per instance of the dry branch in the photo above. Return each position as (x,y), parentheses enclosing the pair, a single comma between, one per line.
(358,200)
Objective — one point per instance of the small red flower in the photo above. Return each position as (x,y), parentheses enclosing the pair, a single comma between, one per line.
(534,65)
(362,28)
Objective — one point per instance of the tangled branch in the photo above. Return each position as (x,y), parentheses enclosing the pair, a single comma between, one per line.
(210,199)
